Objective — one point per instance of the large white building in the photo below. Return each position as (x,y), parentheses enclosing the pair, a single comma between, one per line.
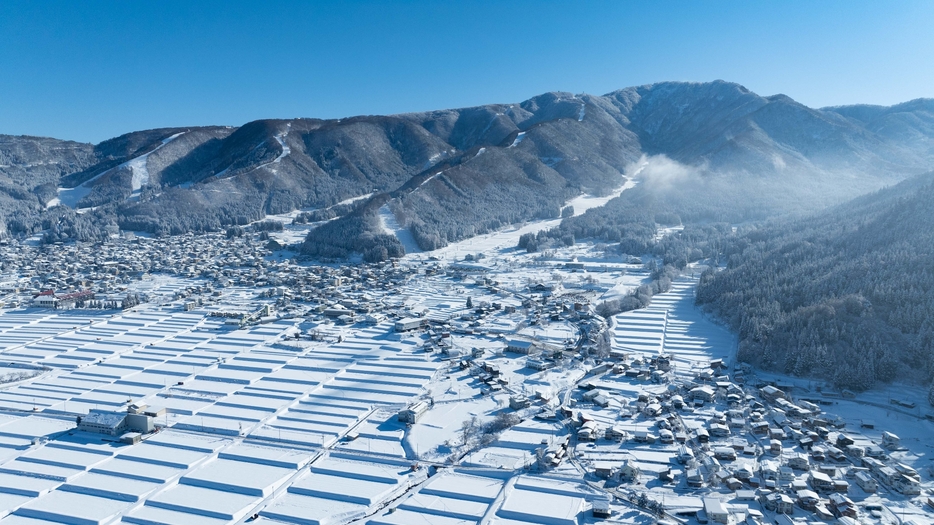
(103,422)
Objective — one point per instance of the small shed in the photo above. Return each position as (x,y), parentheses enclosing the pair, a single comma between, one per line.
(601,508)
(604,469)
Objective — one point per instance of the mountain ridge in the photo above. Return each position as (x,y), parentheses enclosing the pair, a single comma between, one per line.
(537,154)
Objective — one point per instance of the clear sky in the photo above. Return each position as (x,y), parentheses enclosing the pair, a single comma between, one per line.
(89,71)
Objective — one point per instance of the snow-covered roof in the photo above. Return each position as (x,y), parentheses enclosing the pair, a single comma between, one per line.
(714,506)
(104,418)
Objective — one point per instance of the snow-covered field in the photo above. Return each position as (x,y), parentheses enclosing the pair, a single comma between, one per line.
(672,325)
(258,422)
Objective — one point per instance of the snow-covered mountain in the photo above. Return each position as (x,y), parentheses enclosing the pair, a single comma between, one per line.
(453,173)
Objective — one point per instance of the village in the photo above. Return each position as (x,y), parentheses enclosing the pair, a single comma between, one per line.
(207,379)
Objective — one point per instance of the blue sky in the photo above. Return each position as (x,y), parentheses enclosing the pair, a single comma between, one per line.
(89,71)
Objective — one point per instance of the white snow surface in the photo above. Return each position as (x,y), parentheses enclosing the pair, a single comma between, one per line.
(280,138)
(519,138)
(391,226)
(140,171)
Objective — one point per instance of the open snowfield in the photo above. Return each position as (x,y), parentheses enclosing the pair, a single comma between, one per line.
(391,226)
(673,326)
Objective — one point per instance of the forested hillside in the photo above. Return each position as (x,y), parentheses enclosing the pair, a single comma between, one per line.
(30,170)
(846,295)
(715,152)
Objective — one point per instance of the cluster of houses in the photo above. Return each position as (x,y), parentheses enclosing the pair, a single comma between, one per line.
(38,275)
(108,267)
(760,445)
(75,274)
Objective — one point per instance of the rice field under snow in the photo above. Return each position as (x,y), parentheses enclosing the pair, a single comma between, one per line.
(305,432)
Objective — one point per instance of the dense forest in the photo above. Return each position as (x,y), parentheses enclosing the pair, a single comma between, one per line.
(359,233)
(844,295)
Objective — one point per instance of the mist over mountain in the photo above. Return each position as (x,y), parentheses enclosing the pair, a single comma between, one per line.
(451,174)
(845,294)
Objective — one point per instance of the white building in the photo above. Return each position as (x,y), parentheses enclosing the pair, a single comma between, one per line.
(413,413)
(46,301)
(890,440)
(716,510)
(866,482)
(907,485)
(538,364)
(103,422)
(409,323)
(519,346)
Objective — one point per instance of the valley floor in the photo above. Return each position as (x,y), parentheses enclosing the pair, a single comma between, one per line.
(294,417)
